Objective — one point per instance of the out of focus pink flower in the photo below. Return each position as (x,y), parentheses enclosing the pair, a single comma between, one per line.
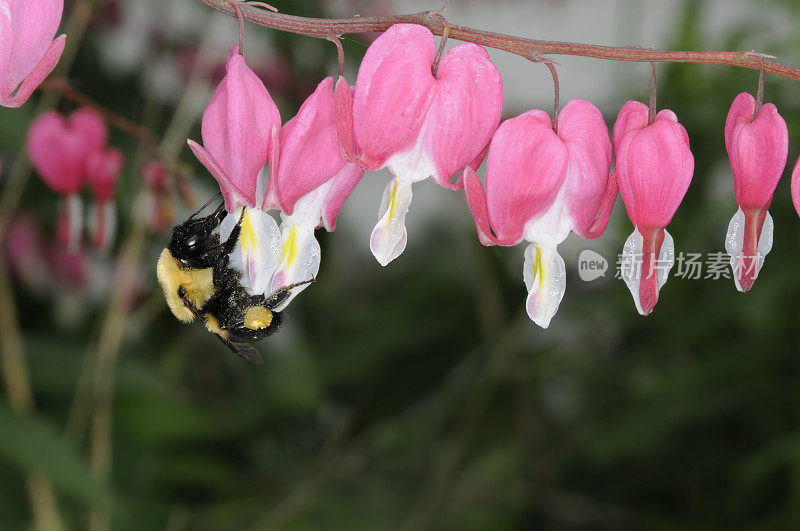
(757,145)
(28,52)
(24,252)
(59,150)
(157,181)
(654,167)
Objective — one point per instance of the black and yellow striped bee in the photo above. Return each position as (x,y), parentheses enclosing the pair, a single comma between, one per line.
(199,283)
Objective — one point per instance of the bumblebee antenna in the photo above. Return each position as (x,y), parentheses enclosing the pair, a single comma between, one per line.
(205,205)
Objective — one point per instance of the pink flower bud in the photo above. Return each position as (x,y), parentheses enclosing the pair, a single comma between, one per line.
(757,147)
(28,52)
(59,150)
(654,167)
(540,184)
(237,131)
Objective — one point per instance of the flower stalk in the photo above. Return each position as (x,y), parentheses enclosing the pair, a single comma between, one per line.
(530,49)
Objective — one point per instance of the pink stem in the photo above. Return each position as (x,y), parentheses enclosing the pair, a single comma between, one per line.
(100,225)
(748,265)
(648,284)
(531,49)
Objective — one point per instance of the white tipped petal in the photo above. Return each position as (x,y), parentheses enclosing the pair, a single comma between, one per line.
(546,279)
(631,266)
(259,248)
(389,236)
(103,224)
(734,245)
(74,215)
(301,259)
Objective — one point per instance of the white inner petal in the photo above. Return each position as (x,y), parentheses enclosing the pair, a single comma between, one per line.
(631,266)
(259,248)
(74,207)
(414,164)
(545,277)
(301,260)
(553,226)
(308,209)
(734,243)
(388,239)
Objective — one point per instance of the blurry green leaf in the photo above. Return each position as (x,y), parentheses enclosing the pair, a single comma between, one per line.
(33,445)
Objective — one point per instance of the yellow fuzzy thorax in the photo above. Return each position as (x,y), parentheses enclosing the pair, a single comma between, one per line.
(198,283)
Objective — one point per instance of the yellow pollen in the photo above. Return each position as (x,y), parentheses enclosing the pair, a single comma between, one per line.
(257,318)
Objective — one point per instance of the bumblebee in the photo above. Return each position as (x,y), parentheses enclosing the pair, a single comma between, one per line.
(199,283)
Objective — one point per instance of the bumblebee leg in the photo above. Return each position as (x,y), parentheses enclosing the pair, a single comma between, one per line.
(276,298)
(189,304)
(230,243)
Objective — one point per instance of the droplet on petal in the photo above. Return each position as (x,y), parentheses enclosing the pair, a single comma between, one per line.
(389,236)
(301,259)
(745,263)
(258,250)
(636,262)
(545,277)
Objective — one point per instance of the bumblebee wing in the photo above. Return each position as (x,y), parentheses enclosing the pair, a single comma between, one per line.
(243,350)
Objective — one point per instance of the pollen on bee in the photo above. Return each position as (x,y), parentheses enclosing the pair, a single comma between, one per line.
(257,318)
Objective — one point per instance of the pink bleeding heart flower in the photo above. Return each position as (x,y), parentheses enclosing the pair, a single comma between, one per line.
(103,169)
(24,250)
(758,145)
(654,166)
(156,179)
(28,52)
(238,128)
(59,149)
(540,185)
(795,186)
(240,133)
(417,124)
(310,185)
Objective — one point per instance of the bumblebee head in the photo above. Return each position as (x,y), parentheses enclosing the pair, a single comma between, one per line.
(193,244)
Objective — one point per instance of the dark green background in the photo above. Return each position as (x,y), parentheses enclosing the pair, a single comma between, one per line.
(420,395)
